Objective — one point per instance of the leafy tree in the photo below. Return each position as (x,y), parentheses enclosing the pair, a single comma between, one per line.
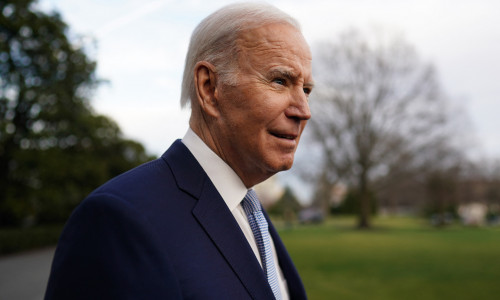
(287,206)
(53,148)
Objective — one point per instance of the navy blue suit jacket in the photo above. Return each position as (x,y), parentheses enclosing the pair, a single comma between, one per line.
(161,231)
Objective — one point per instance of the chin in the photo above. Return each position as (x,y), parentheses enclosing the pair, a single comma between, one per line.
(284,165)
(280,163)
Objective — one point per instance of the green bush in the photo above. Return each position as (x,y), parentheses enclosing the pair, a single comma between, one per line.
(22,239)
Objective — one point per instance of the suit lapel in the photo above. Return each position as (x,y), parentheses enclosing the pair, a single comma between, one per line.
(220,225)
(218,222)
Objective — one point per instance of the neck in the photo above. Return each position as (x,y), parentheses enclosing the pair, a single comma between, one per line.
(204,127)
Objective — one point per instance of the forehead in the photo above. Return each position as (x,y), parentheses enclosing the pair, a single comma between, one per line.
(275,44)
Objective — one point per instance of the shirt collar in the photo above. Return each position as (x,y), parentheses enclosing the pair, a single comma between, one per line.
(225,180)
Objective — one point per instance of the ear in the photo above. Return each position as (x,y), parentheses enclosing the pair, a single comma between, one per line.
(205,81)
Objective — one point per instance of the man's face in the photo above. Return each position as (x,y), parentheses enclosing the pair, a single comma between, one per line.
(264,114)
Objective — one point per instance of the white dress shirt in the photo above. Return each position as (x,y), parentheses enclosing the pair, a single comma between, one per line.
(232,190)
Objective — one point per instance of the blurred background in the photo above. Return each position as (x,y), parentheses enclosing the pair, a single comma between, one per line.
(395,190)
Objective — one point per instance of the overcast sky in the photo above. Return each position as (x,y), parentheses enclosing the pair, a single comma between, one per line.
(141,44)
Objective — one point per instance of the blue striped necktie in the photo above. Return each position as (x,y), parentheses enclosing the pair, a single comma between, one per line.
(260,230)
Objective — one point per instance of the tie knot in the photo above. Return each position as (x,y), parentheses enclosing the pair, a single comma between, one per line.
(251,203)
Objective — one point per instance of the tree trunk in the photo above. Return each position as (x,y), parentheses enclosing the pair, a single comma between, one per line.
(365,205)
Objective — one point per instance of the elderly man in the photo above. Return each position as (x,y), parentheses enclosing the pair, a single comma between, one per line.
(188,225)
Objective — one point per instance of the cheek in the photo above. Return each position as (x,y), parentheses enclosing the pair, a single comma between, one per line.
(271,107)
(256,114)
(247,111)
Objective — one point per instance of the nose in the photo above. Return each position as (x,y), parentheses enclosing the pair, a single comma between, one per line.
(299,107)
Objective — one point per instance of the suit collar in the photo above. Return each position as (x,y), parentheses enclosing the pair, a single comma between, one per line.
(215,217)
(188,173)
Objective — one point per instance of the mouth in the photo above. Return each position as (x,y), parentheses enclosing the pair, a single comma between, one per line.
(286,136)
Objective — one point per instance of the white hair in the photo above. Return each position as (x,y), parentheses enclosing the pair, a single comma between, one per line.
(214,40)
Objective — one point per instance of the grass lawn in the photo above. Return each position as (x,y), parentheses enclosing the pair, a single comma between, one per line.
(400,258)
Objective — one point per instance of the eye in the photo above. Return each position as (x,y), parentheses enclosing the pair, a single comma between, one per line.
(279,81)
(307,91)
